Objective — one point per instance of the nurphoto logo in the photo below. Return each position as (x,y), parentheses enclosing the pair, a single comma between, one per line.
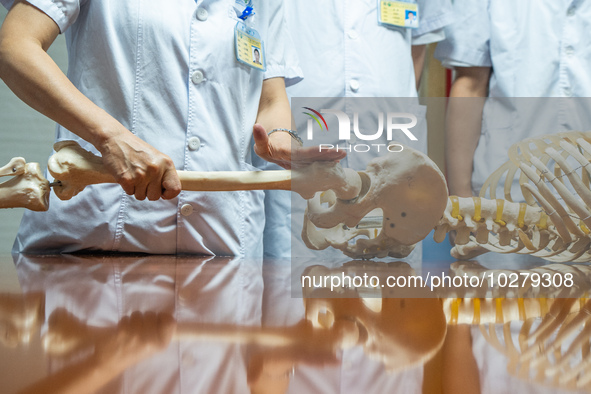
(396,123)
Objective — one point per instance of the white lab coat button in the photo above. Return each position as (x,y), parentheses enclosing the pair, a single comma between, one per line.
(202,14)
(354,85)
(186,209)
(569,50)
(567,92)
(353,34)
(571,11)
(194,143)
(197,77)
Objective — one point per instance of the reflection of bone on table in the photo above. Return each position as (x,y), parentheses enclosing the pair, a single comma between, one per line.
(554,353)
(27,189)
(67,334)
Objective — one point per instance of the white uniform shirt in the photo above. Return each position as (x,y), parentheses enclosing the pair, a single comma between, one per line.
(536,48)
(167,71)
(344,52)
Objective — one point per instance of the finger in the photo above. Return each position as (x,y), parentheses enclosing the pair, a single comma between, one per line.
(167,327)
(154,190)
(136,322)
(140,194)
(141,191)
(127,184)
(312,154)
(171,184)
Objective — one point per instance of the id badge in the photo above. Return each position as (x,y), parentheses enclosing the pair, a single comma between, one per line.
(249,47)
(398,13)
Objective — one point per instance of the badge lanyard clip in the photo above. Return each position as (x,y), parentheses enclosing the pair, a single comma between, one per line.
(248,12)
(249,45)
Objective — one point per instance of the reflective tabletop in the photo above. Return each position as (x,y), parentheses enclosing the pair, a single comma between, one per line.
(179,324)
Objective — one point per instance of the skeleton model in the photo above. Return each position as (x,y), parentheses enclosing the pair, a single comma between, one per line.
(553,172)
(393,204)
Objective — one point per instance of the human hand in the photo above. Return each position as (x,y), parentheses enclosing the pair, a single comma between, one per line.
(21,317)
(280,148)
(136,338)
(139,168)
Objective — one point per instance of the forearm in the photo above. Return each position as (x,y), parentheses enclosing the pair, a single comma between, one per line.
(86,377)
(34,77)
(274,111)
(463,125)
(460,370)
(418,58)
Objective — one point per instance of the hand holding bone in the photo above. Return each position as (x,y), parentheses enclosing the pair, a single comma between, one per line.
(280,148)
(76,168)
(139,168)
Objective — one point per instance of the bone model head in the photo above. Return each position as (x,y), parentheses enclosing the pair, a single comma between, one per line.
(404,191)
(28,188)
(75,168)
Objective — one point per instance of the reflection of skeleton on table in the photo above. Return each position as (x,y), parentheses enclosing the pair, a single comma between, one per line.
(552,347)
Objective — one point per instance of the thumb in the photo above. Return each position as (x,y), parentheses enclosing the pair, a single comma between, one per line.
(261,139)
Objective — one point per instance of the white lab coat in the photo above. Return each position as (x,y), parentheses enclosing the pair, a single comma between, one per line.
(536,49)
(344,52)
(167,71)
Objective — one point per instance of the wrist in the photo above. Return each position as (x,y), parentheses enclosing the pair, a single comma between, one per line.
(102,138)
(294,134)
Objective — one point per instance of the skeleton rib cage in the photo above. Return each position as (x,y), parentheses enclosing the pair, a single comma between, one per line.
(553,172)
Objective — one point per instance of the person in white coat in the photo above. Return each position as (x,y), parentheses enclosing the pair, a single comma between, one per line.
(508,51)
(153,87)
(345,52)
